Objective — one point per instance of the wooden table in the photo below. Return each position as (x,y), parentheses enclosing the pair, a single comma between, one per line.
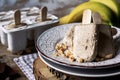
(8,67)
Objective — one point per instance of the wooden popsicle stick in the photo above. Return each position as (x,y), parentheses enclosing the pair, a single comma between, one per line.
(17,17)
(86,19)
(43,13)
(96,18)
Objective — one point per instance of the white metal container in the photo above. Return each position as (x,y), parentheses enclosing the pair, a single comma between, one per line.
(3,35)
(16,38)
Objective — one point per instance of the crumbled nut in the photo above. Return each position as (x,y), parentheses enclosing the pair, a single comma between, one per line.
(102,59)
(56,54)
(109,56)
(67,53)
(97,59)
(71,58)
(60,51)
(80,60)
(63,55)
(61,46)
(57,47)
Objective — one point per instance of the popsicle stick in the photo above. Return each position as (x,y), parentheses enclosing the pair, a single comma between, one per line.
(17,17)
(96,18)
(86,19)
(43,13)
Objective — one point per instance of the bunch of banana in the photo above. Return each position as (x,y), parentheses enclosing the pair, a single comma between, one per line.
(108,9)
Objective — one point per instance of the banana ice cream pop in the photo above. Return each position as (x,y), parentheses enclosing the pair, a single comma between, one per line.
(85,39)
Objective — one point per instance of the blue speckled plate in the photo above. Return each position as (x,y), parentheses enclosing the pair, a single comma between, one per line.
(47,41)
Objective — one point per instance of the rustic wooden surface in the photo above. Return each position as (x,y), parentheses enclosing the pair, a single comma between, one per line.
(43,72)
(6,62)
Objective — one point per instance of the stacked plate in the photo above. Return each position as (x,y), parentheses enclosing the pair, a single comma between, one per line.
(45,46)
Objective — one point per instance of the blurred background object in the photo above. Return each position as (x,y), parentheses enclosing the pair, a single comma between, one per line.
(57,7)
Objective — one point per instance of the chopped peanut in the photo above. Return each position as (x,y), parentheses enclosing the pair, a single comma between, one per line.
(60,51)
(97,59)
(102,59)
(61,46)
(56,54)
(109,56)
(80,60)
(67,53)
(64,51)
(71,57)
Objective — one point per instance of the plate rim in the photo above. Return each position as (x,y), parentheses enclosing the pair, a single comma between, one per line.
(79,74)
(66,64)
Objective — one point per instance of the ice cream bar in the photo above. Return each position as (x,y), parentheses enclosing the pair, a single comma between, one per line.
(85,38)
(85,42)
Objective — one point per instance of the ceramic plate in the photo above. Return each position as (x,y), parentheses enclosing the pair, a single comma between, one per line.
(82,72)
(47,41)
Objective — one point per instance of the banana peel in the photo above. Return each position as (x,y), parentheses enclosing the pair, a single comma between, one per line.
(64,20)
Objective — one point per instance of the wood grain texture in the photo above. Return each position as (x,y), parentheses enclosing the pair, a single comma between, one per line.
(44,13)
(41,71)
(17,17)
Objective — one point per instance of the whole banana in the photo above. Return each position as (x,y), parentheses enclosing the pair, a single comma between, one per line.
(108,16)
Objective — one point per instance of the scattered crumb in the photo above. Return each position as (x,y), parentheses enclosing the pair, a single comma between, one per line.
(56,54)
(63,50)
(102,59)
(61,46)
(80,60)
(67,53)
(71,58)
(97,59)
(108,56)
